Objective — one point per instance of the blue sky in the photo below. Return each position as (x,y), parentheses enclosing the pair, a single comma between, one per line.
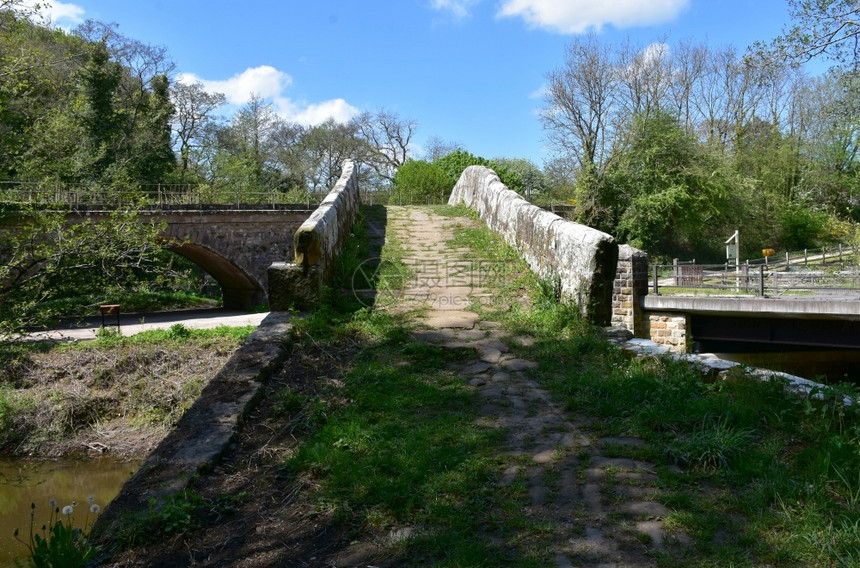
(468,71)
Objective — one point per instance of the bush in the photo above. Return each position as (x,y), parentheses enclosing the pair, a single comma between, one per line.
(801,226)
(418,181)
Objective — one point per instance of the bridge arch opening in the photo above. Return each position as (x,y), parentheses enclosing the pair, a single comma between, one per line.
(239,289)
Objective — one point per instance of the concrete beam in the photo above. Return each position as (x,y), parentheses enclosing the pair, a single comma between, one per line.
(814,308)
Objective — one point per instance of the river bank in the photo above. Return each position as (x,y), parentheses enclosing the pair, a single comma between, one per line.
(112,396)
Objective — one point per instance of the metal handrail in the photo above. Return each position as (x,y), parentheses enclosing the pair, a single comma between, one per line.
(757,280)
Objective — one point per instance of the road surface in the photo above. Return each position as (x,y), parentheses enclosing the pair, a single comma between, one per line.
(131,324)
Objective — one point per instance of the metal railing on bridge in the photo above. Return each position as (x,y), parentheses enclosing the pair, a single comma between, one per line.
(832,272)
(156,196)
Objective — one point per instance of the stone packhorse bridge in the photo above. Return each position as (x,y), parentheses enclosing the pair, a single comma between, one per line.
(584,265)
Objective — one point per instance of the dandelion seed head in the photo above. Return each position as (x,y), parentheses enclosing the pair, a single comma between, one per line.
(91,499)
(52,503)
(67,510)
(94,508)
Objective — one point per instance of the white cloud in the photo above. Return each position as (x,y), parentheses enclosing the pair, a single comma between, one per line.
(316,113)
(577,16)
(270,84)
(55,13)
(265,81)
(459,9)
(539,93)
(655,53)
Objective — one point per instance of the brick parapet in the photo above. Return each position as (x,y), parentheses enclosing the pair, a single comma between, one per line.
(668,329)
(630,284)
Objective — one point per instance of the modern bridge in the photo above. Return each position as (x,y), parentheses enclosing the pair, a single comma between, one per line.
(773,307)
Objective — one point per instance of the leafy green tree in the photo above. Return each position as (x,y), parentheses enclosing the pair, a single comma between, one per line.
(670,197)
(98,115)
(801,226)
(822,27)
(453,164)
(37,73)
(532,182)
(154,161)
(43,258)
(420,181)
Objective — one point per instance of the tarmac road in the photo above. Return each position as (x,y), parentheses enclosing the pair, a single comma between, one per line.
(131,324)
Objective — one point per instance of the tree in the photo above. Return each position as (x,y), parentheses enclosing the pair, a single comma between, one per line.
(436,148)
(98,116)
(388,139)
(153,160)
(822,27)
(289,158)
(453,164)
(668,195)
(580,99)
(43,258)
(533,181)
(326,147)
(420,181)
(251,136)
(195,109)
(37,72)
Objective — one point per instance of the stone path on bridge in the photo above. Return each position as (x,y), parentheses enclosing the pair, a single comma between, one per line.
(596,502)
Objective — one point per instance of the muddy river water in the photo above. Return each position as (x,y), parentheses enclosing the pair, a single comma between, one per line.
(26,482)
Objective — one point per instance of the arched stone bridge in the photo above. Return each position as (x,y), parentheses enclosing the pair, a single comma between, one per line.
(235,246)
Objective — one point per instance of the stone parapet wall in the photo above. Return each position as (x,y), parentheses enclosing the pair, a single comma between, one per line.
(582,259)
(317,243)
(669,330)
(631,283)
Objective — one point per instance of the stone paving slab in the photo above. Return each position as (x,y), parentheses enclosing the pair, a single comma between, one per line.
(540,429)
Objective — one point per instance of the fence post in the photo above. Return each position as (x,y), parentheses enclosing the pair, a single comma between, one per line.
(787,260)
(805,258)
(761,280)
(840,253)
(656,278)
(675,270)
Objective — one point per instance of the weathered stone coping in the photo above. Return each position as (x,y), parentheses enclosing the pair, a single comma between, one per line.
(580,259)
(206,430)
(317,243)
(648,348)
